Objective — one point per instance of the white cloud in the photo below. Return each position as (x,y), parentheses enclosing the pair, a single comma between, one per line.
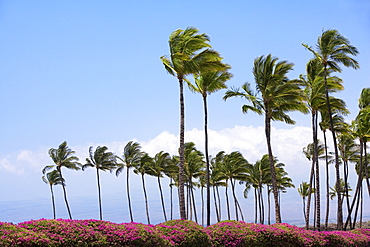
(287,145)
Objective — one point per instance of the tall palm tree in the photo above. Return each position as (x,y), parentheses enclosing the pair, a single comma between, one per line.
(333,49)
(278,95)
(190,53)
(314,92)
(131,158)
(304,191)
(160,163)
(101,160)
(53,178)
(207,83)
(63,156)
(142,168)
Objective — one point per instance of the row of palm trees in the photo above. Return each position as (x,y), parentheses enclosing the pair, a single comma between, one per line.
(226,170)
(275,95)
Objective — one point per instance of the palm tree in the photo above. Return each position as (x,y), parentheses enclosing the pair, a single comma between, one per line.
(314,92)
(304,191)
(278,95)
(160,163)
(233,167)
(207,83)
(309,152)
(189,54)
(342,192)
(63,156)
(52,178)
(333,49)
(257,175)
(101,160)
(144,167)
(194,168)
(216,181)
(131,158)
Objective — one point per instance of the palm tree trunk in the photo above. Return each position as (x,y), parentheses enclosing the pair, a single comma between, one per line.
(53,201)
(304,206)
(358,188)
(208,199)
(160,190)
(219,202)
(235,204)
(227,202)
(262,211)
(272,169)
(181,150)
(316,160)
(309,196)
(99,194)
(65,194)
(202,198)
(269,205)
(146,198)
(337,172)
(194,207)
(366,167)
(171,198)
(216,208)
(327,182)
(128,192)
(256,201)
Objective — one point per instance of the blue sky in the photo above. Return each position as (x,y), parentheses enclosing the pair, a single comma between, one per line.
(89,72)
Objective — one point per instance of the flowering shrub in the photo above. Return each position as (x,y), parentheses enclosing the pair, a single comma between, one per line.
(343,238)
(128,234)
(13,235)
(184,233)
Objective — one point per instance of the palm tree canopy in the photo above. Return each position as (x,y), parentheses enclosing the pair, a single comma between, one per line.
(190,53)
(210,82)
(145,165)
(333,48)
(161,162)
(276,94)
(53,178)
(131,156)
(304,189)
(63,156)
(364,100)
(100,159)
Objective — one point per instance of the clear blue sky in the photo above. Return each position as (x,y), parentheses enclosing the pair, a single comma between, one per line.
(89,72)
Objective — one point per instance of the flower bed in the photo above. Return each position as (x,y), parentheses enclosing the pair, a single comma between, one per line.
(171,233)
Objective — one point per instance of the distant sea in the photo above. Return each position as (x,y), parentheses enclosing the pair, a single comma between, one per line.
(115,209)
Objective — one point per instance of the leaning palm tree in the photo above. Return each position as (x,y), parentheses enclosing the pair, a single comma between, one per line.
(144,167)
(160,162)
(314,92)
(278,95)
(63,156)
(53,178)
(233,168)
(131,158)
(207,83)
(103,161)
(304,191)
(189,54)
(333,49)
